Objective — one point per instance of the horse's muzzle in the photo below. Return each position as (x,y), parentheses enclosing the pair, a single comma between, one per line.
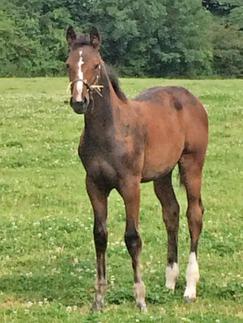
(79,107)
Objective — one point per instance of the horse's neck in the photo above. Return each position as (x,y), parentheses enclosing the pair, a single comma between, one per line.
(99,118)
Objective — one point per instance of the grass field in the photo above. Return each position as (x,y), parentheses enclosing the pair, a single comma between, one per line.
(47,260)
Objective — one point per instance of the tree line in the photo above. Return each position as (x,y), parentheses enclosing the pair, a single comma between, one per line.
(169,38)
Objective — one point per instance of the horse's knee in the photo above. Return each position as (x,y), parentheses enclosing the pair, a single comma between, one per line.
(133,241)
(100,237)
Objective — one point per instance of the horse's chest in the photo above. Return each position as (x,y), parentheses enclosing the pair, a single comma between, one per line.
(98,164)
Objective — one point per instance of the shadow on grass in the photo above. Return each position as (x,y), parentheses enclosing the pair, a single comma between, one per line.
(69,288)
(64,289)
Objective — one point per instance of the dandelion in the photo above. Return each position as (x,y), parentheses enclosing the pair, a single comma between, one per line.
(60,249)
(36,223)
(75,261)
(185,319)
(29,304)
(69,309)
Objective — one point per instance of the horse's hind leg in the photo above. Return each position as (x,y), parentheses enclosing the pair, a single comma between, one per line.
(170,209)
(190,167)
(98,200)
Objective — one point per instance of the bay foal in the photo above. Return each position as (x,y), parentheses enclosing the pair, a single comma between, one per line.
(126,142)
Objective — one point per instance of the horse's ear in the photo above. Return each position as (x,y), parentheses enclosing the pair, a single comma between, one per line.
(70,35)
(95,39)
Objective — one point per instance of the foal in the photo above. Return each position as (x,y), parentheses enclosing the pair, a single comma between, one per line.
(126,142)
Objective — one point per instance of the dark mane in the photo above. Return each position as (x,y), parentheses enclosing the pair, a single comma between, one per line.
(115,83)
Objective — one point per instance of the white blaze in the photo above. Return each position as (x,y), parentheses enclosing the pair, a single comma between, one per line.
(79,84)
(192,277)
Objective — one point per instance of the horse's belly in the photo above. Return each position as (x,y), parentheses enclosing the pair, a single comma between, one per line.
(159,160)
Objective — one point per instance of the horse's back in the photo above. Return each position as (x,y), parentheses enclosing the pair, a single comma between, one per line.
(173,96)
(175,104)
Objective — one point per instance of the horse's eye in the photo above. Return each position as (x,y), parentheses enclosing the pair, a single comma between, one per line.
(67,66)
(97,66)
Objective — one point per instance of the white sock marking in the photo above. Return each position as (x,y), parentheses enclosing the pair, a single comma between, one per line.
(79,84)
(139,293)
(171,275)
(192,276)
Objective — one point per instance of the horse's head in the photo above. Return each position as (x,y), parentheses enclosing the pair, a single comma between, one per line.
(84,67)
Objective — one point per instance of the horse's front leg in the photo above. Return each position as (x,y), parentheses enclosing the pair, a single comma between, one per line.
(130,192)
(98,198)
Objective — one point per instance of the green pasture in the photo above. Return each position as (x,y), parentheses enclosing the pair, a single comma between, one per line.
(47,260)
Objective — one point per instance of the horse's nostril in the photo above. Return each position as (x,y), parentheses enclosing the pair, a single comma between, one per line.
(79,106)
(84,101)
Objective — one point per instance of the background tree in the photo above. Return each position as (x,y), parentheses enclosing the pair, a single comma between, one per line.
(141,37)
(187,47)
(227,37)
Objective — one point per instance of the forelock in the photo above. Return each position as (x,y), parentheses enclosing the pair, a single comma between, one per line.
(80,41)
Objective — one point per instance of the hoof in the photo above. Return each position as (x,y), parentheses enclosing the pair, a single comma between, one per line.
(189,300)
(190,294)
(142,307)
(97,306)
(170,289)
